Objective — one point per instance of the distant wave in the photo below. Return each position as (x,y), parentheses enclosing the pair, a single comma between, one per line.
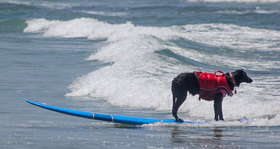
(227,35)
(103,13)
(257,10)
(238,1)
(46,4)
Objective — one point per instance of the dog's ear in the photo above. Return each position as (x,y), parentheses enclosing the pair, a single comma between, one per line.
(241,71)
(237,72)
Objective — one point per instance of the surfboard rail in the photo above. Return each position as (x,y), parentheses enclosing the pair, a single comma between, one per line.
(108,117)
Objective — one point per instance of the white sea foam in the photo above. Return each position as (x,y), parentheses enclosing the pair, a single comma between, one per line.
(139,77)
(241,122)
(75,28)
(103,13)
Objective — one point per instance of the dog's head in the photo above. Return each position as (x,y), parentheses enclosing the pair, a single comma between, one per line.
(241,76)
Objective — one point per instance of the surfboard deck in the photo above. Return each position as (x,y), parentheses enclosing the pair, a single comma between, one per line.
(108,117)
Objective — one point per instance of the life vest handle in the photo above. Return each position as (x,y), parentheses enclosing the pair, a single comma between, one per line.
(219,72)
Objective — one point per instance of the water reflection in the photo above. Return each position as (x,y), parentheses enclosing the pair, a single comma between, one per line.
(204,137)
(218,133)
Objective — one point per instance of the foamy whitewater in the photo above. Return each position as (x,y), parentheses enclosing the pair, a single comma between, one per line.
(119,57)
(144,60)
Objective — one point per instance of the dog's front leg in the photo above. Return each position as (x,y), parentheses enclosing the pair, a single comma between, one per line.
(218,107)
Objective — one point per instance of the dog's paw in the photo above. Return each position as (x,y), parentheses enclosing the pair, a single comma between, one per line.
(219,120)
(179,120)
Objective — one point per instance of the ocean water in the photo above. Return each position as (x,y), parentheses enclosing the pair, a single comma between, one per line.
(119,57)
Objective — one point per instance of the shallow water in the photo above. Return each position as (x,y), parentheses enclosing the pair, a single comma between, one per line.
(120,57)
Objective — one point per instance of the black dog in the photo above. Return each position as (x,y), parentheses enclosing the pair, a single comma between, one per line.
(185,82)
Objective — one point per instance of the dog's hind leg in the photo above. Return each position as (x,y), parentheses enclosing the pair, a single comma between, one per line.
(177,102)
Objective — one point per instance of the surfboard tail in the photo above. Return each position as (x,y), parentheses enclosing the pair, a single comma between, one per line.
(62,110)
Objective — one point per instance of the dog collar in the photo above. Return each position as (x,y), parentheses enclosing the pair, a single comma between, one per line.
(233,80)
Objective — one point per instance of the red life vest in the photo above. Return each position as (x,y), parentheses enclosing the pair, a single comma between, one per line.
(211,83)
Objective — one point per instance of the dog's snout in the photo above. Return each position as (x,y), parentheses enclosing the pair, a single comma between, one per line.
(250,80)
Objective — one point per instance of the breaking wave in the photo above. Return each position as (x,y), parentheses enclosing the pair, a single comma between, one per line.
(140,63)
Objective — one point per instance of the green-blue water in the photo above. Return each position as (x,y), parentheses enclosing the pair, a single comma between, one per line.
(119,57)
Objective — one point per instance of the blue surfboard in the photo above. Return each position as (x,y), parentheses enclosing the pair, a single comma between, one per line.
(110,118)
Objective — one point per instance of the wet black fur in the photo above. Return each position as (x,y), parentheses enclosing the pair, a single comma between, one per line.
(187,82)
